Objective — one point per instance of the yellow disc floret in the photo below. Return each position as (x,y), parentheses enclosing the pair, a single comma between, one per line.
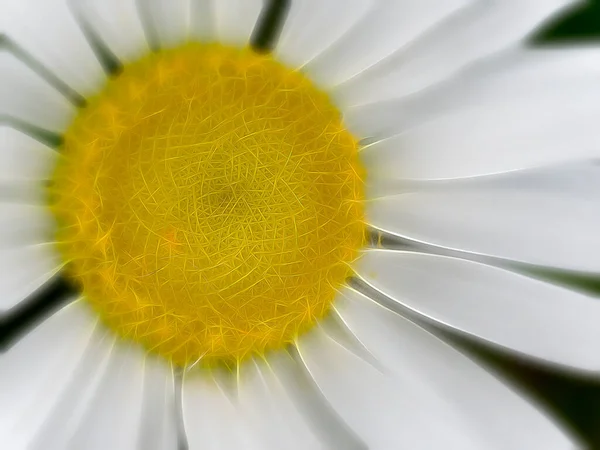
(209,203)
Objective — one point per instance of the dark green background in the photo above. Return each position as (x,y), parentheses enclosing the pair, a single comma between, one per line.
(574,398)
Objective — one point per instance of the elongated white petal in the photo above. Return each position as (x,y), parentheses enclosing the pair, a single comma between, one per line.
(385,410)
(270,410)
(158,430)
(117,23)
(235,20)
(26,96)
(203,20)
(22,224)
(169,19)
(69,385)
(474,32)
(37,370)
(49,31)
(514,311)
(211,418)
(23,159)
(498,417)
(114,412)
(25,269)
(524,109)
(550,219)
(313,26)
(387,27)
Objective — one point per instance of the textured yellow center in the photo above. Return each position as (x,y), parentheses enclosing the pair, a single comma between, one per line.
(209,203)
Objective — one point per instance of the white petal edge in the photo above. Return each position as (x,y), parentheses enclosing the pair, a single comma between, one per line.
(23,159)
(270,411)
(26,96)
(507,219)
(236,19)
(211,418)
(449,46)
(522,110)
(518,313)
(170,19)
(117,23)
(25,269)
(36,372)
(68,384)
(158,429)
(312,26)
(386,410)
(387,27)
(49,31)
(203,20)
(500,417)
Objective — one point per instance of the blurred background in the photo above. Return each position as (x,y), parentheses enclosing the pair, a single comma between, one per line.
(576,400)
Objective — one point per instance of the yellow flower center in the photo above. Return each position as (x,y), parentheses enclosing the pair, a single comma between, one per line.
(210,203)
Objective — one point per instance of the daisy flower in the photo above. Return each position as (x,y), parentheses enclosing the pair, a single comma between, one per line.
(247,224)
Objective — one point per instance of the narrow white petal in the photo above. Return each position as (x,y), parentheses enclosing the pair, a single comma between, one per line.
(507,220)
(211,418)
(524,109)
(203,20)
(497,416)
(472,33)
(25,269)
(312,26)
(114,412)
(73,399)
(75,387)
(170,19)
(513,311)
(117,23)
(270,411)
(48,30)
(37,371)
(23,159)
(235,20)
(158,429)
(26,96)
(386,410)
(22,224)
(388,26)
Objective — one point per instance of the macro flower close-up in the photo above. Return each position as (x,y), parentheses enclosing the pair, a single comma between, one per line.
(273,224)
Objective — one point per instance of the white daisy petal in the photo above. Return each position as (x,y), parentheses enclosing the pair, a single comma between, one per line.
(513,311)
(235,19)
(37,371)
(22,224)
(23,159)
(48,30)
(26,96)
(523,109)
(407,350)
(114,411)
(169,19)
(71,401)
(386,410)
(270,411)
(313,26)
(25,269)
(387,27)
(202,20)
(451,45)
(117,23)
(211,418)
(158,429)
(507,220)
